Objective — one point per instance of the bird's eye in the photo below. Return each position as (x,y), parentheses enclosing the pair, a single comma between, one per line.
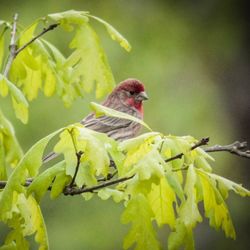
(131,92)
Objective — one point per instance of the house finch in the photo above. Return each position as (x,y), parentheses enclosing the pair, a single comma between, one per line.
(127,97)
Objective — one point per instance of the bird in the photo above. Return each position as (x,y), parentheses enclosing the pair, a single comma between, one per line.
(127,97)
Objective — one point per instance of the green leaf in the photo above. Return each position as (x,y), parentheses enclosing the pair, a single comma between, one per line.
(10,246)
(181,237)
(149,165)
(11,150)
(68,18)
(161,199)
(86,175)
(33,220)
(114,34)
(3,170)
(139,151)
(169,149)
(29,164)
(27,220)
(142,232)
(227,185)
(102,110)
(89,62)
(19,102)
(174,182)
(202,163)
(76,138)
(96,150)
(42,182)
(59,184)
(189,212)
(106,193)
(68,146)
(215,207)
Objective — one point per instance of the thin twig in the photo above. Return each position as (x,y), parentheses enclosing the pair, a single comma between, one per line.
(202,142)
(75,191)
(4,183)
(237,148)
(12,46)
(45,30)
(78,156)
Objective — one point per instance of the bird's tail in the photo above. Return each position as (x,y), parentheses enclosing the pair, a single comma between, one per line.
(50,157)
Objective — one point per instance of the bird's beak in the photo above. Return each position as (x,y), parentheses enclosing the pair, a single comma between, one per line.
(142,96)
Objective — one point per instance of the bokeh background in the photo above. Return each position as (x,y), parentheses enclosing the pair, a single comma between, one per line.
(193,57)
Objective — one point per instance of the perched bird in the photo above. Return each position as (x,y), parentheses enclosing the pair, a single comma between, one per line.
(127,97)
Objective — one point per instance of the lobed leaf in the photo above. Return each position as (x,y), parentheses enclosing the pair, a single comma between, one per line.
(26,221)
(189,213)
(69,18)
(10,148)
(226,185)
(142,232)
(215,207)
(114,34)
(18,100)
(181,236)
(89,62)
(42,182)
(161,199)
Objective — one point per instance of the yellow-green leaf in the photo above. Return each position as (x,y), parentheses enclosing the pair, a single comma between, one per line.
(114,34)
(161,199)
(142,233)
(19,102)
(102,110)
(215,209)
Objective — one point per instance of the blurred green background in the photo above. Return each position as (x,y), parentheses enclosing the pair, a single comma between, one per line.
(193,57)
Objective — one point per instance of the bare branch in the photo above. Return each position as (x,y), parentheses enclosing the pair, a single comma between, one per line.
(45,30)
(12,46)
(75,191)
(237,148)
(202,142)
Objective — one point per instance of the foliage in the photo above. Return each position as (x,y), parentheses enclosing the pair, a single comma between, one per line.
(42,67)
(153,190)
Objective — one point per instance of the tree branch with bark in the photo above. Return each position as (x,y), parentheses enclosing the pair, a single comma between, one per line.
(236,148)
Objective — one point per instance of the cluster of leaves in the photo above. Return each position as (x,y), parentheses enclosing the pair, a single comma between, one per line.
(167,193)
(153,189)
(41,66)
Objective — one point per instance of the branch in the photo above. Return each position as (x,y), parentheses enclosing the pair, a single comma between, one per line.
(14,51)
(78,156)
(202,142)
(237,148)
(12,46)
(45,30)
(4,183)
(75,191)
(29,181)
